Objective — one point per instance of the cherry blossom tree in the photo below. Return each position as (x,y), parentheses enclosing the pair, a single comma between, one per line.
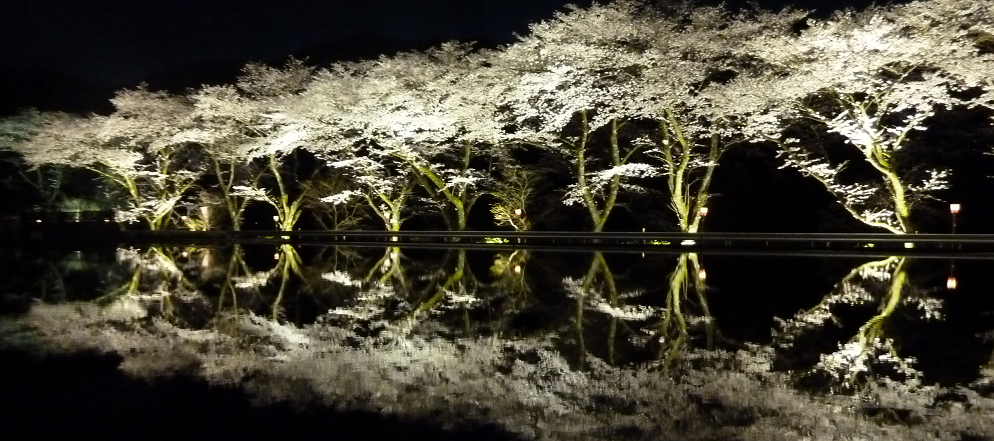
(334,112)
(224,124)
(135,148)
(873,80)
(430,110)
(692,54)
(576,76)
(245,123)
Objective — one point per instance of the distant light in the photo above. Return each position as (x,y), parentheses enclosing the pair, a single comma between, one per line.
(276,256)
(106,220)
(909,244)
(643,229)
(517,269)
(184,217)
(951,283)
(688,242)
(704,211)
(954,208)
(703,275)
(276,218)
(184,254)
(517,212)
(39,221)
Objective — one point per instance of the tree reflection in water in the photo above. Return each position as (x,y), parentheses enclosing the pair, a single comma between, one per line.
(425,338)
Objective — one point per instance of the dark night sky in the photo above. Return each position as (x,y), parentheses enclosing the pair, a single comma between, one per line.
(71,54)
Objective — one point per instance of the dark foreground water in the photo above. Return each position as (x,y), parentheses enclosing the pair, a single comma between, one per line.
(389,343)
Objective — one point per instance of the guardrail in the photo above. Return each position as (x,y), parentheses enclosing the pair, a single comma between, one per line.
(649,240)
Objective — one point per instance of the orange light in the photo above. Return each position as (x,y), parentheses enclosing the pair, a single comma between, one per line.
(951,283)
(954,208)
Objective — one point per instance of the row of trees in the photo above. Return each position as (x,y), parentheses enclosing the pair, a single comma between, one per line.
(623,96)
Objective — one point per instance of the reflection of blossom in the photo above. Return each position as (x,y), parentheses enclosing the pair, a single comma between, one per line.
(341,278)
(627,312)
(253,280)
(931,308)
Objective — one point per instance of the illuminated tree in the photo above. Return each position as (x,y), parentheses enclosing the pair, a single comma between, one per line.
(136,149)
(244,125)
(685,92)
(873,79)
(513,191)
(430,111)
(333,111)
(224,123)
(571,80)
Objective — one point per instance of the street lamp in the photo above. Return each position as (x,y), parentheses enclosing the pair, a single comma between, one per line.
(953,210)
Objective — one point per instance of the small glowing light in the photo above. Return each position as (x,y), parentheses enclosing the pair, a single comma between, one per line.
(184,217)
(643,229)
(643,255)
(517,212)
(276,256)
(276,218)
(951,283)
(909,245)
(688,242)
(106,220)
(517,269)
(704,211)
(39,221)
(184,254)
(954,208)
(703,275)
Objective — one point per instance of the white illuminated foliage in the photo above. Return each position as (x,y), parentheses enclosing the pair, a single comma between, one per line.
(873,78)
(135,148)
(572,80)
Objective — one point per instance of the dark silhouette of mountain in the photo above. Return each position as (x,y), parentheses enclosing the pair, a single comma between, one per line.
(52,90)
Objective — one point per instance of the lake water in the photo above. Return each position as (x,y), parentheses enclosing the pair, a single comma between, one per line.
(392,343)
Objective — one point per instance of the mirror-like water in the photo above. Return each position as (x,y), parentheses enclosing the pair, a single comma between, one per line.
(519,344)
